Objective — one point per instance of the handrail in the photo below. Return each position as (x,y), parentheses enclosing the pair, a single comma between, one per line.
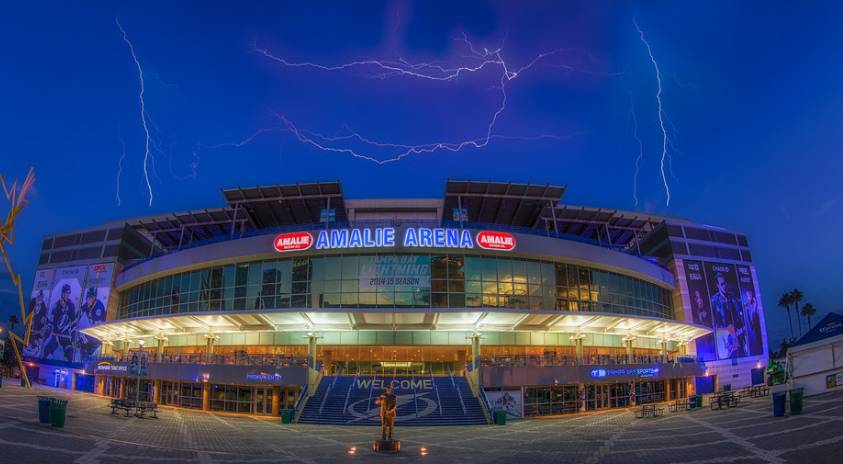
(371,387)
(436,389)
(298,406)
(327,394)
(484,404)
(459,392)
(348,392)
(416,403)
(393,223)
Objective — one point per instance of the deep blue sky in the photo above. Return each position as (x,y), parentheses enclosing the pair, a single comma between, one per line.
(752,89)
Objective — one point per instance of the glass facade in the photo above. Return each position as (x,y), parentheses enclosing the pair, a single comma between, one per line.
(396,281)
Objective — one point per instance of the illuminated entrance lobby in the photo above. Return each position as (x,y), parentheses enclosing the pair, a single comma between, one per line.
(497,296)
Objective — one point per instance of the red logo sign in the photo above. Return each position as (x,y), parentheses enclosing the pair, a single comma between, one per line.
(500,241)
(293,241)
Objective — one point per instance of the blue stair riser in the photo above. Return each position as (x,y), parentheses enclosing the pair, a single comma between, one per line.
(422,401)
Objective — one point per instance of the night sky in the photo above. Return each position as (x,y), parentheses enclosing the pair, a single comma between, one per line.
(751,92)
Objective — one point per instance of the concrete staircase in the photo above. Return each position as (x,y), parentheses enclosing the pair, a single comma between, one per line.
(430,400)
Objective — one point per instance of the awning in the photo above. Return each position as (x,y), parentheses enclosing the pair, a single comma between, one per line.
(487,319)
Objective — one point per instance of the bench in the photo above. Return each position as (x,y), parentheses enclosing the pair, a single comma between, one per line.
(649,410)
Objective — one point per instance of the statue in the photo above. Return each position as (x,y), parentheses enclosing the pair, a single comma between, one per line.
(388,403)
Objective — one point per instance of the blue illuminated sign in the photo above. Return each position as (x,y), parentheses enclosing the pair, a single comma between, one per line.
(637,371)
(384,237)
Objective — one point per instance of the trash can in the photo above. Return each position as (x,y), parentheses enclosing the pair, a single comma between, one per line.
(500,417)
(58,411)
(727,387)
(1,380)
(699,400)
(287,416)
(779,401)
(797,396)
(44,409)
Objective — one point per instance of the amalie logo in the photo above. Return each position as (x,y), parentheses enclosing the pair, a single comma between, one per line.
(500,241)
(293,241)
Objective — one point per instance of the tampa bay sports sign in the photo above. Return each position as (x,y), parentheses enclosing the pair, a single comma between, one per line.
(385,237)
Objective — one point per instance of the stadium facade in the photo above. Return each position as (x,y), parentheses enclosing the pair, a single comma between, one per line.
(495,296)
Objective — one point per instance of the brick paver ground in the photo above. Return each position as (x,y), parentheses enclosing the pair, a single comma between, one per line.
(745,435)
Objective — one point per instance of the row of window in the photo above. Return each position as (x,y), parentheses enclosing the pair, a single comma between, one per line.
(396,281)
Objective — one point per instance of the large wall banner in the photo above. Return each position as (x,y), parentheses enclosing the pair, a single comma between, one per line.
(725,298)
(700,308)
(38,302)
(65,301)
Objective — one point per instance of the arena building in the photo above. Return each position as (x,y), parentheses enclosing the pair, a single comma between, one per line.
(494,296)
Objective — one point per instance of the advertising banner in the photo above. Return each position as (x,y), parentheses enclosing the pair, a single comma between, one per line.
(65,301)
(39,299)
(394,271)
(92,308)
(510,401)
(730,332)
(63,313)
(751,302)
(700,307)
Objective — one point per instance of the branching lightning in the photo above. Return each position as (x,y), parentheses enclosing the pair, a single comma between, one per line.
(666,143)
(476,61)
(640,157)
(143,115)
(120,166)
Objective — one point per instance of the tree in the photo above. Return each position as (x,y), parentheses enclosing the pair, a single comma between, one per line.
(13,321)
(795,298)
(785,301)
(808,311)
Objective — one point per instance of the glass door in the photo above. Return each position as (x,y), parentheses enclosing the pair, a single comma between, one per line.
(262,403)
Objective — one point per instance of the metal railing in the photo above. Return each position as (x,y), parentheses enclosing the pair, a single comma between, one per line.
(596,360)
(436,389)
(348,392)
(459,392)
(392,222)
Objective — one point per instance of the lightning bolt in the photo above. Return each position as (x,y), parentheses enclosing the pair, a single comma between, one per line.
(661,114)
(640,156)
(143,115)
(476,60)
(120,166)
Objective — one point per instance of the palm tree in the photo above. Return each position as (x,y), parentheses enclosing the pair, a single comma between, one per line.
(13,321)
(785,301)
(808,310)
(796,297)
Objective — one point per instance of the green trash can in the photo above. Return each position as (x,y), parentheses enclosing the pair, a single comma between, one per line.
(58,411)
(44,409)
(797,396)
(500,417)
(287,416)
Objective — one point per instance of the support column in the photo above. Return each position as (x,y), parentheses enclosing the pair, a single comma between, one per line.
(72,380)
(107,348)
(156,391)
(276,401)
(627,343)
(122,388)
(581,396)
(98,385)
(578,340)
(206,396)
(312,368)
(667,389)
(159,353)
(663,343)
(474,375)
(210,341)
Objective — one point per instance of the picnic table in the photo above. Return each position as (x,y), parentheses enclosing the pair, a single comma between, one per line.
(140,407)
(723,400)
(680,403)
(649,410)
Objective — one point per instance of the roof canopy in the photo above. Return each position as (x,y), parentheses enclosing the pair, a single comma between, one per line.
(830,326)
(500,203)
(466,320)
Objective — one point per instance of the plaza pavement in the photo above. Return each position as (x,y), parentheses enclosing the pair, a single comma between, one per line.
(745,435)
